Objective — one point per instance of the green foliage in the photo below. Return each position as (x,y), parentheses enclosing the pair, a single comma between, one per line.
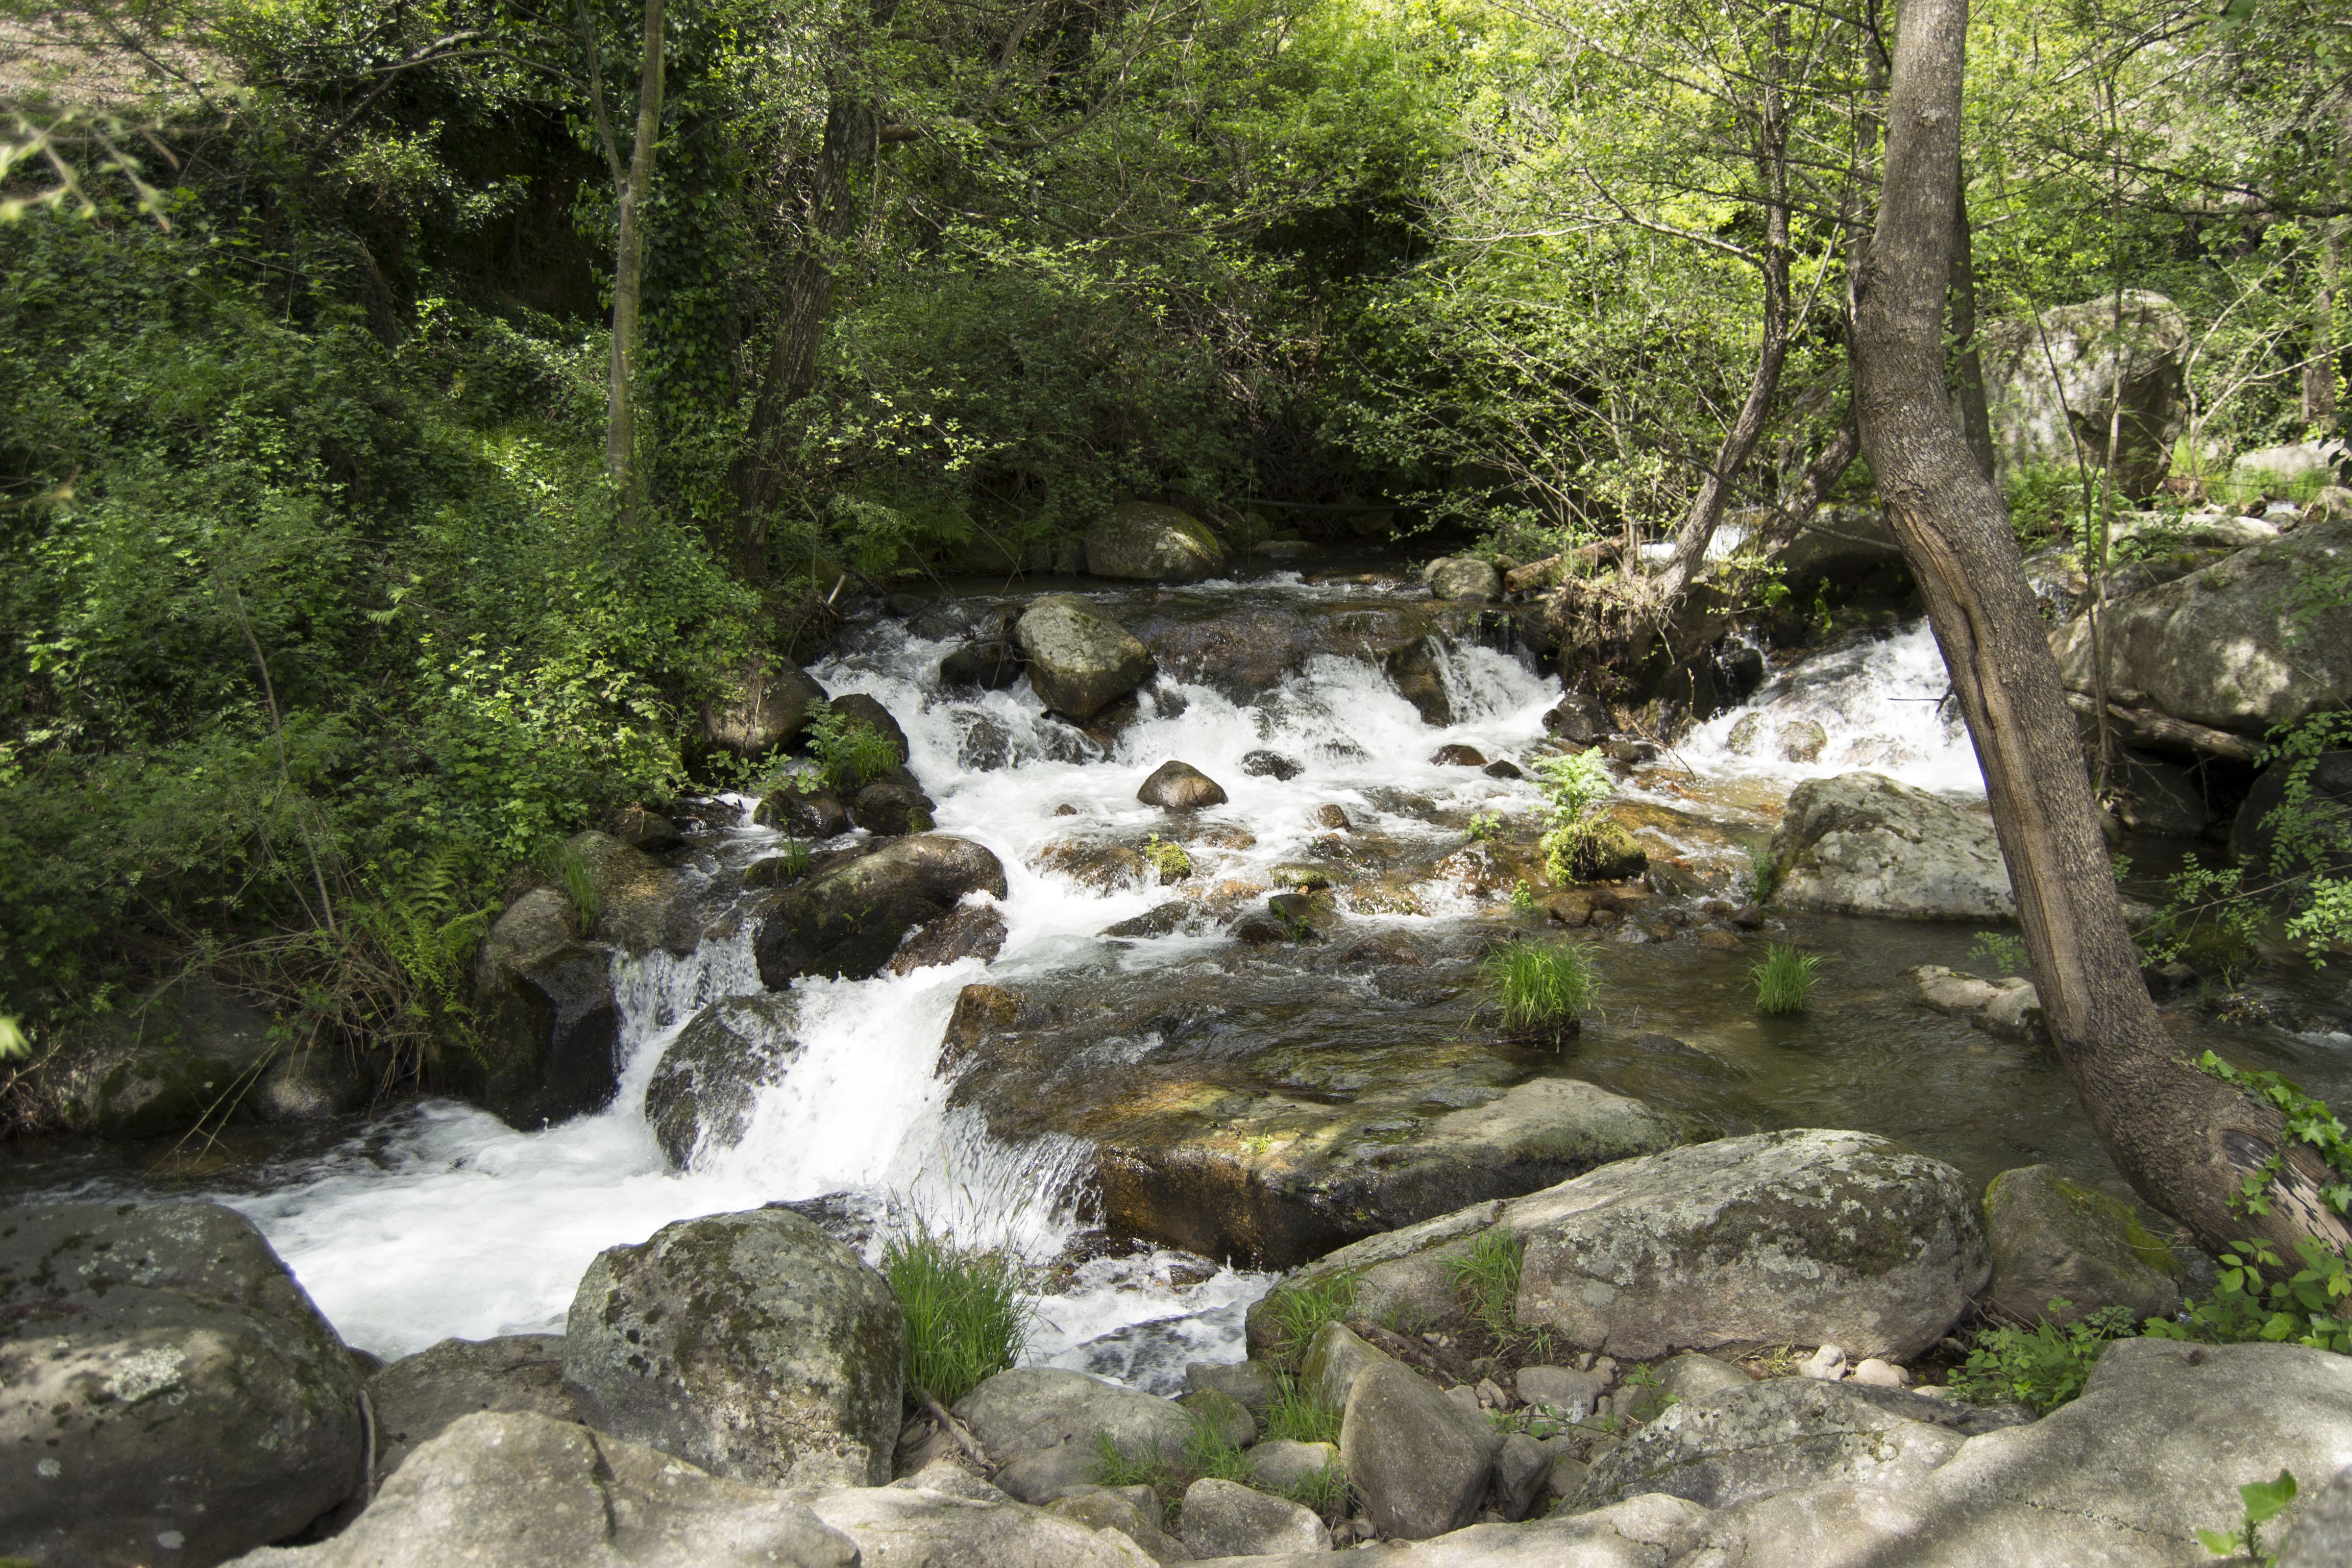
(1523,897)
(2264,1500)
(1298,1310)
(968,1313)
(2260,1297)
(1763,874)
(13,1043)
(1327,1491)
(2308,1121)
(1294,1416)
(850,752)
(2043,1366)
(1484,825)
(2207,921)
(2002,952)
(1572,786)
(1489,1276)
(1168,858)
(1115,1466)
(1783,979)
(1540,984)
(570,873)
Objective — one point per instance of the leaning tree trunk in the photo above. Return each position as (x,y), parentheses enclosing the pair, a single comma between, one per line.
(2183,1140)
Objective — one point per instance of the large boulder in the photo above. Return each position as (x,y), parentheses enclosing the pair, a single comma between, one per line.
(2275,470)
(1796,1238)
(762,704)
(418,1397)
(1080,660)
(641,904)
(2322,1536)
(549,1025)
(849,919)
(1044,1427)
(165,1386)
(1864,844)
(2053,1240)
(2154,1451)
(1145,541)
(927,1529)
(703,1089)
(2051,386)
(1463,577)
(752,1344)
(518,1489)
(2246,644)
(159,1067)
(1420,1461)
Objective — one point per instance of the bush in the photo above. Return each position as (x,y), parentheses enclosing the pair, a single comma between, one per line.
(1542,985)
(1783,980)
(850,752)
(1572,786)
(967,1314)
(2259,1298)
(2043,1366)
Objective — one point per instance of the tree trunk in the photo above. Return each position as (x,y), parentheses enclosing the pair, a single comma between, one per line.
(2184,1140)
(629,266)
(1968,365)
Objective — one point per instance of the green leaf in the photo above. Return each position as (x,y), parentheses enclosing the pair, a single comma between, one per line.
(2219,1544)
(2265,1498)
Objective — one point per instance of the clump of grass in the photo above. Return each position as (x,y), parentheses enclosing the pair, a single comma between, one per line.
(1209,1452)
(967,1314)
(579,887)
(1327,1491)
(1541,985)
(1292,1415)
(1115,1466)
(1298,1310)
(1784,979)
(850,752)
(1169,859)
(1490,1278)
(795,858)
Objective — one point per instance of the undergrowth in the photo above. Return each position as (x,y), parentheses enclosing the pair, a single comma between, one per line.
(1298,1310)
(967,1313)
(1292,1416)
(2043,1366)
(1489,1277)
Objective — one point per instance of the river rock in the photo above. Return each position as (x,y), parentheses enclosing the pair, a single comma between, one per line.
(856,709)
(2245,644)
(418,1397)
(1104,863)
(848,919)
(1691,1376)
(1080,660)
(1563,1389)
(1863,844)
(1417,670)
(2275,470)
(517,1490)
(2153,1451)
(1180,786)
(1100,1508)
(309,1083)
(1420,1461)
(1223,1519)
(1329,1363)
(160,1065)
(1278,1464)
(890,806)
(1146,541)
(762,704)
(802,808)
(1269,765)
(968,930)
(641,904)
(990,666)
(1766,1437)
(1463,577)
(2051,1240)
(922,1528)
(548,1027)
(167,1391)
(1252,1382)
(1215,1410)
(1044,1426)
(2322,1536)
(703,1089)
(752,1344)
(2051,386)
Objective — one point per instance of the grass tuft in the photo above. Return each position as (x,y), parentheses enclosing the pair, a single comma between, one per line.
(1542,985)
(1295,1416)
(1298,1310)
(1783,980)
(967,1314)
(1490,1278)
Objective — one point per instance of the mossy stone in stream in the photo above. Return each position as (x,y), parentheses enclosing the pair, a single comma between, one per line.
(849,919)
(703,1090)
(2053,1239)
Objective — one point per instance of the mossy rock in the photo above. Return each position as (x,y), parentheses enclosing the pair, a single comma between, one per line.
(2054,1240)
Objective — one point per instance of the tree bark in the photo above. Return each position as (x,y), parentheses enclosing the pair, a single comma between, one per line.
(1968,365)
(2183,1140)
(630,186)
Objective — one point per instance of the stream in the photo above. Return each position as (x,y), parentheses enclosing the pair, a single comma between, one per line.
(437,1219)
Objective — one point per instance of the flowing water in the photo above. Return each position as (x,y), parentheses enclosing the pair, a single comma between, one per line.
(440,1220)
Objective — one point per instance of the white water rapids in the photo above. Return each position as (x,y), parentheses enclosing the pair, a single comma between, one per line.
(443,1221)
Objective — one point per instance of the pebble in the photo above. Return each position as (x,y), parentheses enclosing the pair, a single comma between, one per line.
(1826,1365)
(1880,1374)
(1491,1395)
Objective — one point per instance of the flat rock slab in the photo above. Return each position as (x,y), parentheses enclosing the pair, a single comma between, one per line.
(893,1525)
(1647,1532)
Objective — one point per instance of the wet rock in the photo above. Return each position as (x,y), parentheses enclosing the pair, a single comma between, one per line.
(1180,786)
(905,1525)
(1146,541)
(1463,577)
(1328,1364)
(1221,1519)
(2231,646)
(969,930)
(1610,853)
(1420,1461)
(1080,661)
(703,1089)
(763,704)
(856,709)
(2006,1005)
(752,1344)
(981,1012)
(1417,671)
(419,1396)
(1103,863)
(849,919)
(2053,1240)
(1459,756)
(649,831)
(1269,765)
(640,903)
(1802,740)
(1158,920)
(1252,1382)
(891,806)
(521,1490)
(1279,1464)
(803,810)
(164,1386)
(989,666)
(1044,1426)
(1753,1240)
(1333,818)
(549,1025)
(1772,1436)
(1502,770)
(1863,844)
(308,1083)
(1581,720)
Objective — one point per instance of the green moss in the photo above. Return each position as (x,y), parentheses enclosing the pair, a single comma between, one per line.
(2106,1210)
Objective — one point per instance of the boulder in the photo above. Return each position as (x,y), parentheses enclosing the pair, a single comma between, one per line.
(2154,1450)
(2322,1536)
(1150,542)
(2254,840)
(1252,1382)
(857,708)
(1100,863)
(890,806)
(549,1028)
(521,1490)
(1459,756)
(849,919)
(1691,1376)
(752,1344)
(968,930)
(640,903)
(1100,1508)
(1080,660)
(1581,720)
(2051,1240)
(418,1397)
(1793,1238)
(2245,644)
(1223,1519)
(1562,1389)
(2275,470)
(703,1089)
(309,1083)
(893,1525)
(1418,672)
(991,666)
(1521,1468)
(1420,1461)
(164,1386)
(802,808)
(763,703)
(1645,1532)
(1269,765)
(647,830)
(2051,386)
(1278,1464)
(1463,577)
(1329,1363)
(1214,1410)
(159,1067)
(1726,1447)
(1180,786)
(1863,844)
(1044,1426)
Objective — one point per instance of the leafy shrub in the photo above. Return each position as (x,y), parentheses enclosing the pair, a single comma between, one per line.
(2042,1367)
(2002,952)
(1489,1276)
(1572,786)
(1783,979)
(1523,897)
(1484,825)
(849,750)
(967,1314)
(2258,1298)
(1541,985)
(1763,874)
